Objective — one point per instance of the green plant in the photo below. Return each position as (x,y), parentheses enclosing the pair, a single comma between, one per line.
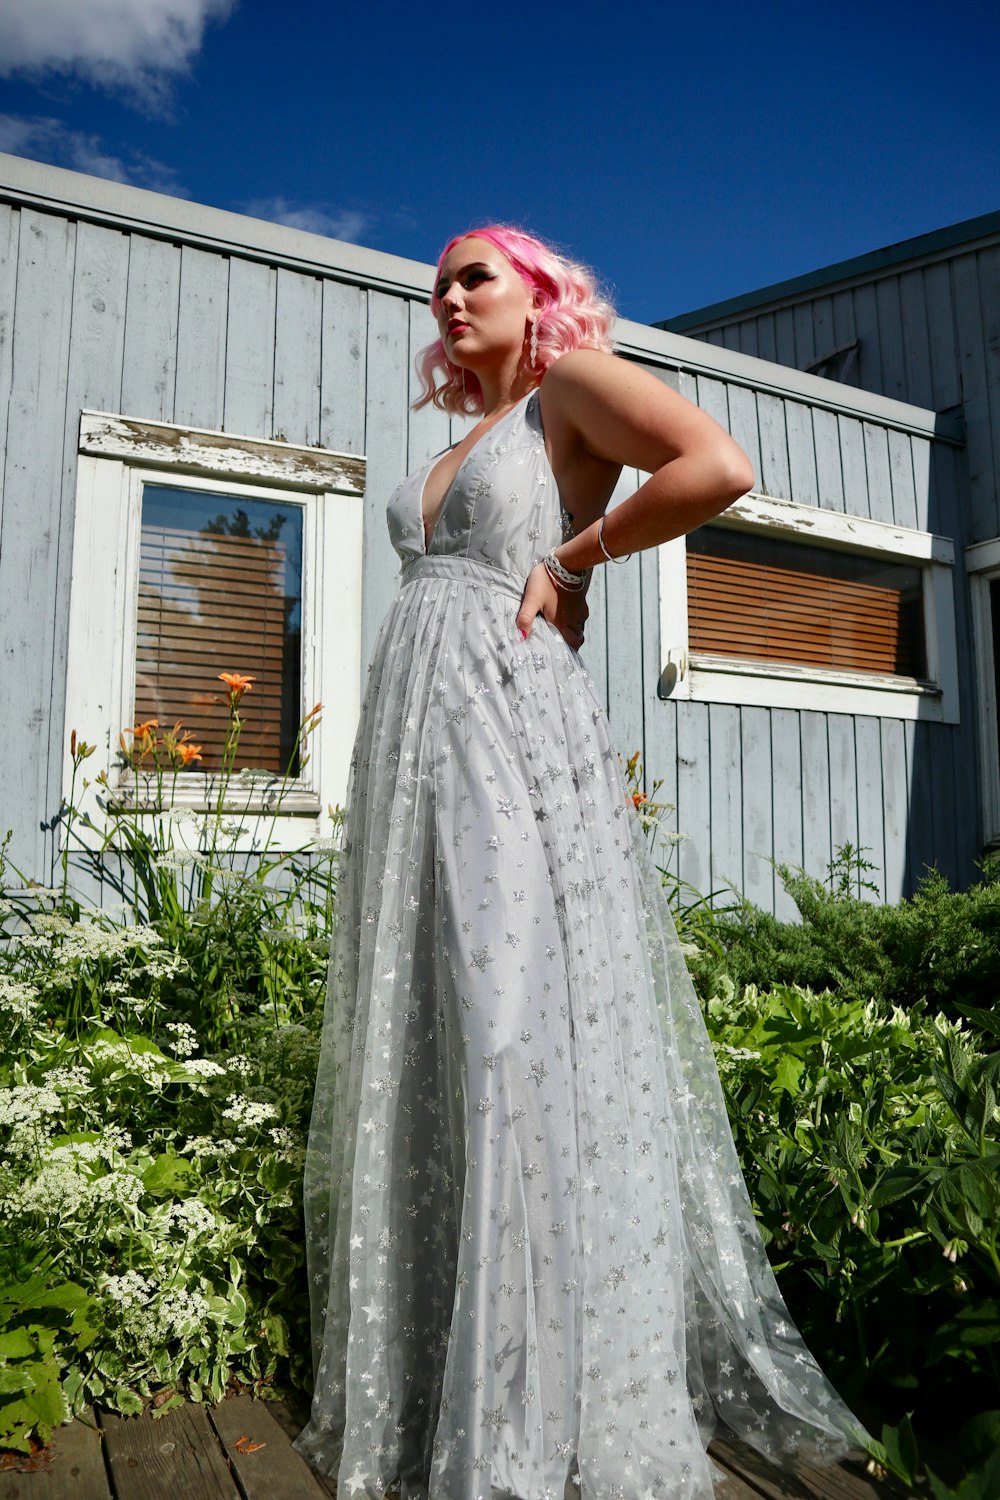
(896,1457)
(940,946)
(869,1139)
(45,1321)
(157,1062)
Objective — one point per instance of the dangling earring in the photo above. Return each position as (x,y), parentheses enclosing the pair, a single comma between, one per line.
(534,340)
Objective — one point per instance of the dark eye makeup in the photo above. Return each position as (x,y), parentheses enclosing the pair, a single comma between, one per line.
(468,277)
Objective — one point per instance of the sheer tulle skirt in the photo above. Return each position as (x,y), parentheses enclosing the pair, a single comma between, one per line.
(532,1256)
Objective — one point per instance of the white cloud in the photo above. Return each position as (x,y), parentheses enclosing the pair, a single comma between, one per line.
(133,45)
(317,218)
(44,139)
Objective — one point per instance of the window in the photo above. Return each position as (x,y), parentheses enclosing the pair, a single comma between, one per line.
(220,582)
(983,562)
(197,553)
(789,606)
(768,599)
(839,364)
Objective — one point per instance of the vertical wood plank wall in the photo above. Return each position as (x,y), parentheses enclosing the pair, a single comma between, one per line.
(928,334)
(93,316)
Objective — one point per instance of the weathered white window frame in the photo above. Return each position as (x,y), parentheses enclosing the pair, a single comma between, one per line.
(723,679)
(982,561)
(118,456)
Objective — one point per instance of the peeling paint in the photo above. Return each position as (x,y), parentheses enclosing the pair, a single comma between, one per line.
(196,450)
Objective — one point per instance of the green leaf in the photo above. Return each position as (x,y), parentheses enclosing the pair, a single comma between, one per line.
(276,1175)
(940,1489)
(17,1344)
(276,1333)
(16,1379)
(73,1387)
(973,1327)
(48,1406)
(236,1309)
(168,1175)
(129,1042)
(983,1483)
(788,1074)
(896,1184)
(127,1401)
(901,1450)
(979,1438)
(16,1426)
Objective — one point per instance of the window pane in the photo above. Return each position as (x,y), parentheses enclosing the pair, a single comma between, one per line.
(995,622)
(767,599)
(220,590)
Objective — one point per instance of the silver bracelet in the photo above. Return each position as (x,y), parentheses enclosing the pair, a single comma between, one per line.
(562,577)
(600,543)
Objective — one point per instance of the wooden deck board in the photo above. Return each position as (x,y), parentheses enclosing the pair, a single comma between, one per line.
(731,1486)
(846,1482)
(291,1416)
(266,1465)
(838,1482)
(241,1450)
(164,1458)
(73,1466)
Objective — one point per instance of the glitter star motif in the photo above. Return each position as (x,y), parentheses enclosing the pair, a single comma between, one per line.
(357,1483)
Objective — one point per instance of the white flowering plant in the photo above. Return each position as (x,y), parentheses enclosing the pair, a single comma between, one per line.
(157,1061)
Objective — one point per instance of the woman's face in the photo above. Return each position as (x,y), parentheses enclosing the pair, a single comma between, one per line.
(483,305)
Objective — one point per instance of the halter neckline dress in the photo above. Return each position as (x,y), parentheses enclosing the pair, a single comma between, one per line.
(533,1262)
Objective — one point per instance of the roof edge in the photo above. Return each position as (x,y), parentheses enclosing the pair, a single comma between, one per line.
(58,190)
(164,217)
(920,246)
(663,347)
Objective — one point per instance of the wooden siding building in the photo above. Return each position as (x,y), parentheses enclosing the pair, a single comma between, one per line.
(918,321)
(160,360)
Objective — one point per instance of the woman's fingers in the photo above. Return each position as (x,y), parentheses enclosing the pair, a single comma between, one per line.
(539,597)
(565,609)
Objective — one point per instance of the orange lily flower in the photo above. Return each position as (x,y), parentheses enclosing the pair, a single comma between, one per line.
(237,683)
(187,753)
(143,731)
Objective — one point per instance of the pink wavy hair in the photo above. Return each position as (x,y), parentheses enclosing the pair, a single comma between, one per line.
(570,309)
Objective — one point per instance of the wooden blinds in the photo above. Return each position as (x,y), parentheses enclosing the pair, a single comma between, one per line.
(214,598)
(766,599)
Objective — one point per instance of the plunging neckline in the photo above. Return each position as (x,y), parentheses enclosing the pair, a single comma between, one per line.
(432,464)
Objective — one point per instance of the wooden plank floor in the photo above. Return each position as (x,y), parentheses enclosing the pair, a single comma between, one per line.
(242,1450)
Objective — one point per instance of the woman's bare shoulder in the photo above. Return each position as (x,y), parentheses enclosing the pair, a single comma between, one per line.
(622,413)
(583,369)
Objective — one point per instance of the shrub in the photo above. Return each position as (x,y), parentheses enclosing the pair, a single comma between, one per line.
(941,946)
(858,1054)
(157,1061)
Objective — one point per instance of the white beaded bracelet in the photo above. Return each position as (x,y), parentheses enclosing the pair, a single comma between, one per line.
(562,577)
(600,543)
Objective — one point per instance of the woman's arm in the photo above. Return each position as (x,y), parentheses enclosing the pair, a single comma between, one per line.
(608,411)
(621,414)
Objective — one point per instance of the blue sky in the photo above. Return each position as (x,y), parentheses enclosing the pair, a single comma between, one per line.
(688,152)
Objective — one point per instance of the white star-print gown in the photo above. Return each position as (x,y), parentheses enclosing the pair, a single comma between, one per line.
(532,1257)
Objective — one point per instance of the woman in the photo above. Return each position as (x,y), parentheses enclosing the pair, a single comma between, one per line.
(532,1255)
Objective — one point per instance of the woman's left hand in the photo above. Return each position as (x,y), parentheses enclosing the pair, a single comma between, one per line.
(565,609)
